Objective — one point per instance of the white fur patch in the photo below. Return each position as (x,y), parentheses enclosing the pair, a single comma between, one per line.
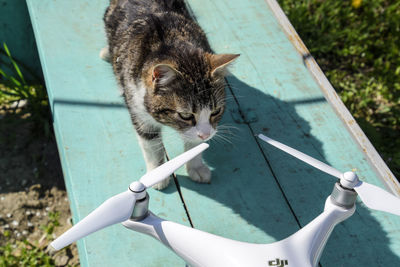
(138,93)
(202,128)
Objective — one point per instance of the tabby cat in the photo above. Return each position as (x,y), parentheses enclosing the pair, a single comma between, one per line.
(168,74)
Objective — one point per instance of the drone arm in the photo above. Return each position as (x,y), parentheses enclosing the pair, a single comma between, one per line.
(311,239)
(176,237)
(171,234)
(196,247)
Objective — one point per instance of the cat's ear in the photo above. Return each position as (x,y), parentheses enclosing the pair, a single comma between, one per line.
(163,74)
(219,62)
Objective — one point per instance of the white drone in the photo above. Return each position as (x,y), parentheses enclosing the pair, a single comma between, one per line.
(198,248)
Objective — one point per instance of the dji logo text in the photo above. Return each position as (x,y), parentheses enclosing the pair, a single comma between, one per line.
(278,262)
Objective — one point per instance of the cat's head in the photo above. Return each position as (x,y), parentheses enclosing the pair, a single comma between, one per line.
(188,94)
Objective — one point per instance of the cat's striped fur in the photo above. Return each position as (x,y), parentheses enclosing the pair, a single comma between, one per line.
(168,74)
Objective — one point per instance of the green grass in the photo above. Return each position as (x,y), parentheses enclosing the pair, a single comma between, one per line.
(15,92)
(24,253)
(357,45)
(28,254)
(50,227)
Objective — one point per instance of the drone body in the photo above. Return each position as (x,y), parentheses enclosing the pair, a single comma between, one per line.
(200,248)
(303,248)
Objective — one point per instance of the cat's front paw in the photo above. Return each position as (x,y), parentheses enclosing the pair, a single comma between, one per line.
(162,185)
(200,173)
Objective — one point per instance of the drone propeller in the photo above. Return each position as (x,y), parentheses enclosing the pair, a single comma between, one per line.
(300,155)
(373,197)
(119,207)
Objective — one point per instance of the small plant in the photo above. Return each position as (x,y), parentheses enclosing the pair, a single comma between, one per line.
(23,254)
(53,223)
(16,92)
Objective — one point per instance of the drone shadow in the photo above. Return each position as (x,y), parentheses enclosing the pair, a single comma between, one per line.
(280,194)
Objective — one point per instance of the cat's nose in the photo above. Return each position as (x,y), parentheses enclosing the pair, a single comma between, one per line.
(203,136)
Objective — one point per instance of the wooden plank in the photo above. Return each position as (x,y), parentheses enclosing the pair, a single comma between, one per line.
(98,148)
(384,173)
(272,83)
(222,207)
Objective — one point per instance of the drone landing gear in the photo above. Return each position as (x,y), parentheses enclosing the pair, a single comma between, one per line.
(313,236)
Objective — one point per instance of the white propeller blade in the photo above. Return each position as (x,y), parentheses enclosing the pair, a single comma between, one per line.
(114,210)
(373,197)
(119,207)
(301,156)
(157,175)
(378,199)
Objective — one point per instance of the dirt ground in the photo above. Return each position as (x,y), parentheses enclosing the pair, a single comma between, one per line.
(32,188)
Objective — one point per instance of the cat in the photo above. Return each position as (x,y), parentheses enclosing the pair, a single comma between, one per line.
(168,74)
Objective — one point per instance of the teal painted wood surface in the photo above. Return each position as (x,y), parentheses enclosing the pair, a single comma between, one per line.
(257,194)
(16,32)
(274,88)
(97,144)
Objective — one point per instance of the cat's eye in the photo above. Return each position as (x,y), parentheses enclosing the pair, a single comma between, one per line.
(216,112)
(185,116)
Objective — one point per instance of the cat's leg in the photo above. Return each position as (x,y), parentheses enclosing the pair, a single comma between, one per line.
(197,170)
(105,54)
(150,142)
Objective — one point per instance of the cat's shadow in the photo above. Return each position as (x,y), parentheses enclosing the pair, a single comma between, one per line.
(239,183)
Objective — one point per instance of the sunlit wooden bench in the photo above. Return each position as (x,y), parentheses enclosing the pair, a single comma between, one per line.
(258,194)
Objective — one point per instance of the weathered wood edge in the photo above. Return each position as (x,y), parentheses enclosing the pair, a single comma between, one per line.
(380,167)
(84,254)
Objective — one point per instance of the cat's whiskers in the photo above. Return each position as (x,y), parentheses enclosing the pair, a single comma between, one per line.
(226,136)
(237,97)
(236,88)
(215,140)
(219,136)
(227,127)
(227,131)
